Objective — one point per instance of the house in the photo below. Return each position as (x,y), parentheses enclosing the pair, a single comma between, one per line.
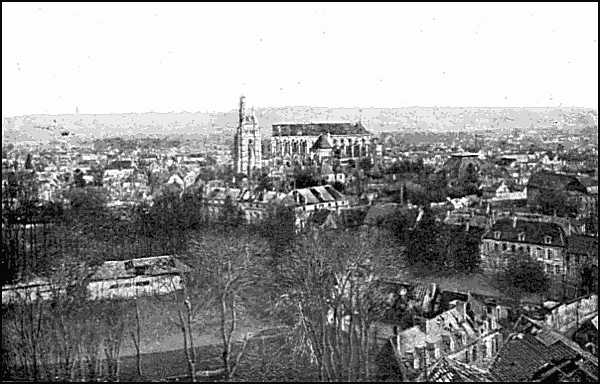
(468,331)
(306,201)
(30,291)
(216,198)
(535,353)
(451,370)
(570,315)
(255,204)
(542,241)
(564,254)
(157,275)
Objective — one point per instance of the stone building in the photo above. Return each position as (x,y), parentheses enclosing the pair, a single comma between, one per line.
(563,254)
(545,242)
(297,141)
(468,332)
(306,201)
(247,151)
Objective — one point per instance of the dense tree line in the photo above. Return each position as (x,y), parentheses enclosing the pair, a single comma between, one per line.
(435,247)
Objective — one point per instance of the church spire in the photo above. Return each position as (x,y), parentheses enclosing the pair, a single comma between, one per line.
(242,109)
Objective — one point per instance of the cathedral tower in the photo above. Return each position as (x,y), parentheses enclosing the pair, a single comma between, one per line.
(247,145)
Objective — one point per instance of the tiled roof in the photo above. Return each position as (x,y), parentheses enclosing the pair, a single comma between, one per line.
(555,181)
(450,370)
(313,195)
(534,232)
(524,354)
(315,129)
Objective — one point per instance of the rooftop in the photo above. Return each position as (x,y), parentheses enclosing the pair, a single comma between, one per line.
(534,232)
(315,129)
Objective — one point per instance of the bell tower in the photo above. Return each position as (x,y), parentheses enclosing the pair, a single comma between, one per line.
(247,143)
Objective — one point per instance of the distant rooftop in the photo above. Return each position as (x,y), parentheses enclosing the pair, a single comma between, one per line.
(316,129)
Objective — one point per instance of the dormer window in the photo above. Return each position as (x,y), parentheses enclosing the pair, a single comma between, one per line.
(521,236)
(497,235)
(547,239)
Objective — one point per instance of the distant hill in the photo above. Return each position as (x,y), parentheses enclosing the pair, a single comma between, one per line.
(41,128)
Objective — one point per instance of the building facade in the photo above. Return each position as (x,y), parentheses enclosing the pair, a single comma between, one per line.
(300,141)
(247,151)
(544,242)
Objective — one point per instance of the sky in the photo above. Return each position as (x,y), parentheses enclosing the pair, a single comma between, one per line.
(141,57)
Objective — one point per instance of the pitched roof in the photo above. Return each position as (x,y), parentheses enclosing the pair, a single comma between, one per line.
(322,143)
(451,370)
(313,195)
(555,181)
(534,232)
(157,265)
(315,129)
(511,365)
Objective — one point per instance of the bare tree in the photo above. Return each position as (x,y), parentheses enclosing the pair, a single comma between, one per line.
(229,270)
(330,286)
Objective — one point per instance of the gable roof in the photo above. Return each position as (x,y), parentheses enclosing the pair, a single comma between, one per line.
(534,232)
(157,265)
(313,195)
(511,365)
(545,348)
(322,143)
(315,129)
(450,370)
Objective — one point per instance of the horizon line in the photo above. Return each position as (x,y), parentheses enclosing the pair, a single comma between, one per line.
(595,109)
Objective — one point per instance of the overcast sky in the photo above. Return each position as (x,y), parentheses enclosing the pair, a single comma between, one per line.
(200,57)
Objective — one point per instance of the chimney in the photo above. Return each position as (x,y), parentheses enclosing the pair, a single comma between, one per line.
(461,308)
(446,344)
(514,221)
(569,232)
(402,194)
(467,226)
(419,361)
(432,352)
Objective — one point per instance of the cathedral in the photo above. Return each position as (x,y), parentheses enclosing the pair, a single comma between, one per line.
(247,152)
(343,141)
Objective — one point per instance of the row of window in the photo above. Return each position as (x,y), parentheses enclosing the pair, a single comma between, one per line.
(534,252)
(521,236)
(127,285)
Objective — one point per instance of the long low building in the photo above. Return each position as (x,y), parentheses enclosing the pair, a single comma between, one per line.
(113,279)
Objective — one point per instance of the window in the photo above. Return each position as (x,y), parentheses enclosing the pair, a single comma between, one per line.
(497,235)
(504,246)
(495,246)
(512,248)
(557,269)
(547,239)
(142,283)
(549,254)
